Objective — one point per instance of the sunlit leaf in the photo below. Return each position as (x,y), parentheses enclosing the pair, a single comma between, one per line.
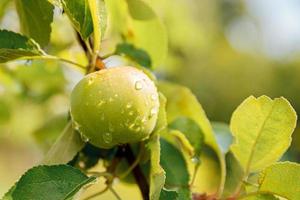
(139,25)
(150,35)
(157,173)
(209,170)
(36,17)
(182,102)
(161,123)
(65,147)
(138,55)
(282,179)
(59,182)
(5,111)
(234,175)
(140,10)
(262,129)
(3,6)
(14,45)
(191,130)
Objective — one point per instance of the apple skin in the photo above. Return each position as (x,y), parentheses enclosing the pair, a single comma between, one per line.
(115,106)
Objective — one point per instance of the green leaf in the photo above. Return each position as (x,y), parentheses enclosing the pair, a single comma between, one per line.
(282,179)
(138,23)
(36,17)
(173,162)
(79,13)
(65,147)
(138,55)
(139,10)
(57,3)
(262,129)
(191,130)
(150,35)
(182,102)
(234,175)
(168,195)
(161,123)
(7,195)
(14,45)
(223,135)
(157,174)
(58,182)
(184,194)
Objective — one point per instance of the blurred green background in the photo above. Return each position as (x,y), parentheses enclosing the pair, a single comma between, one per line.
(224,50)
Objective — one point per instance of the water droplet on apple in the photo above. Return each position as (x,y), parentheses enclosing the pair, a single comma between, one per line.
(129,105)
(107,137)
(153,97)
(138,85)
(110,127)
(153,112)
(100,103)
(84,138)
(90,80)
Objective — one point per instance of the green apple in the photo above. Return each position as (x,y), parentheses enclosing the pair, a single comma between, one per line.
(115,106)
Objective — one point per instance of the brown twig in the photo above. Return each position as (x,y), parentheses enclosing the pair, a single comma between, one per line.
(137,172)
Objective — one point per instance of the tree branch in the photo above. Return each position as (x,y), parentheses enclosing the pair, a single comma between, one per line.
(137,172)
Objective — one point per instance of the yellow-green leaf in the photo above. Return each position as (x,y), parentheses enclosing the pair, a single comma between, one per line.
(262,128)
(138,23)
(282,179)
(182,102)
(36,17)
(157,174)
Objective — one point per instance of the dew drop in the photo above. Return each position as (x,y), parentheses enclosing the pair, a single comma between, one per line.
(107,137)
(90,80)
(100,103)
(129,105)
(131,126)
(153,112)
(130,113)
(153,97)
(116,95)
(76,126)
(195,160)
(111,128)
(116,181)
(144,120)
(81,164)
(138,129)
(84,138)
(138,85)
